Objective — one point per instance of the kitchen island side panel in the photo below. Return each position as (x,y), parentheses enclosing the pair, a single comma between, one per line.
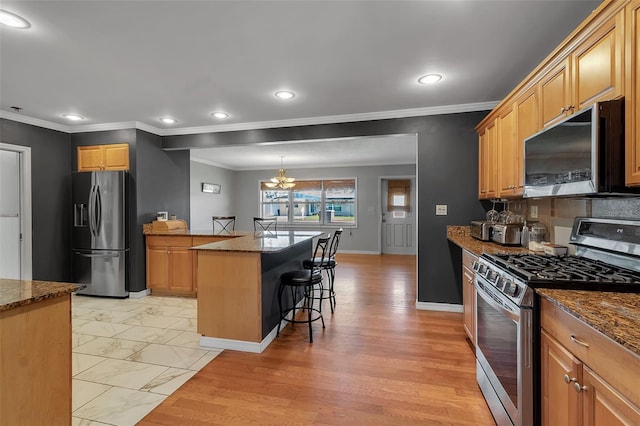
(273,266)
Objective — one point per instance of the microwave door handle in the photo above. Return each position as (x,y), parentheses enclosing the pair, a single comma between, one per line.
(514,317)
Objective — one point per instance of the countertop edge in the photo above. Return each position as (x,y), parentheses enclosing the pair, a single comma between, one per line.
(608,325)
(59,289)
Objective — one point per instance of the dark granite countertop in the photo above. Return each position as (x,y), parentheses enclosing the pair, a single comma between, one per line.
(616,315)
(461,236)
(15,293)
(267,242)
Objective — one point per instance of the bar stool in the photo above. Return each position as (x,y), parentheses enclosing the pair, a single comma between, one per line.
(265,224)
(329,266)
(224,224)
(307,280)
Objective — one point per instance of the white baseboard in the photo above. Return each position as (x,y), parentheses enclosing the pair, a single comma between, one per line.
(444,307)
(139,294)
(357,252)
(242,345)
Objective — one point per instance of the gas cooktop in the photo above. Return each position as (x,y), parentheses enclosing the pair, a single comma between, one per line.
(568,272)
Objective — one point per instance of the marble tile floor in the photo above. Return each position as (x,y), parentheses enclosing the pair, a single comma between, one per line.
(130,354)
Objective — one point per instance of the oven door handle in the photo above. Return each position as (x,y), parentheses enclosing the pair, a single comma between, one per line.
(488,299)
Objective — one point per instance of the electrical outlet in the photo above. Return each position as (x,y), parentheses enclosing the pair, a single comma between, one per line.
(534,212)
(441,209)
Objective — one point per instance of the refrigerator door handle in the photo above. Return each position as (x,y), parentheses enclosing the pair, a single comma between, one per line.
(98,210)
(81,254)
(92,210)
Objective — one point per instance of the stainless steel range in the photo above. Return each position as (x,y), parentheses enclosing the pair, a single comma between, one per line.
(507,324)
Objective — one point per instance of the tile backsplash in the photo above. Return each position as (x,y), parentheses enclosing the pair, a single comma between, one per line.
(557,214)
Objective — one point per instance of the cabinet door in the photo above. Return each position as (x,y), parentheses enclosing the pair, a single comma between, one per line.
(632,99)
(527,124)
(507,156)
(90,158)
(597,67)
(603,405)
(468,304)
(560,401)
(555,94)
(116,156)
(181,269)
(487,173)
(157,268)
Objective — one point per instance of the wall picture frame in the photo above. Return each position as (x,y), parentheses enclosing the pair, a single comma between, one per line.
(212,188)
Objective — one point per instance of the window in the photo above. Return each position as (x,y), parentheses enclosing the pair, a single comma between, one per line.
(312,202)
(398,195)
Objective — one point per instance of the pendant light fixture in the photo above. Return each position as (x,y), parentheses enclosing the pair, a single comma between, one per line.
(281,181)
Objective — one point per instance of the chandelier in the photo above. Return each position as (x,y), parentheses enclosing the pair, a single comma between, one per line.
(281,181)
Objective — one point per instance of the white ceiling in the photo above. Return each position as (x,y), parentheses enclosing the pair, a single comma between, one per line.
(137,61)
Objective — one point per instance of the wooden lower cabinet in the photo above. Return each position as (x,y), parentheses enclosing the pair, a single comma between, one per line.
(469,295)
(171,264)
(35,363)
(595,382)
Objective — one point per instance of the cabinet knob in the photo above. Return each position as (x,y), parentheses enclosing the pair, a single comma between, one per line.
(568,379)
(562,110)
(579,388)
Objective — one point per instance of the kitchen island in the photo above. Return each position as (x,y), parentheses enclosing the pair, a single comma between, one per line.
(238,281)
(35,352)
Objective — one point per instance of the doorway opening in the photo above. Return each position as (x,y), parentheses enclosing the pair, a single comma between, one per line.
(15,212)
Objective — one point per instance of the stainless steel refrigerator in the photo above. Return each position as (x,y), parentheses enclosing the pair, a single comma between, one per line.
(100,237)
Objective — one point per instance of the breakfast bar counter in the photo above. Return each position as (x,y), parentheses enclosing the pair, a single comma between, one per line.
(238,281)
(35,352)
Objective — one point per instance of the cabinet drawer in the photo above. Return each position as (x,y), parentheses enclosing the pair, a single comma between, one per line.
(468,258)
(169,241)
(612,361)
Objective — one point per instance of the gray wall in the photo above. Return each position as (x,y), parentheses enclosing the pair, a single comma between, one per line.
(447,174)
(50,196)
(364,238)
(204,204)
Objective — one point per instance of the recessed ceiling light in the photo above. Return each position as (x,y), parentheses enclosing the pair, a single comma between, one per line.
(73,117)
(12,20)
(168,120)
(221,115)
(429,79)
(284,94)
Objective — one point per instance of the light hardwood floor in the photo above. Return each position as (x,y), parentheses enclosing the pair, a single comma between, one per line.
(379,361)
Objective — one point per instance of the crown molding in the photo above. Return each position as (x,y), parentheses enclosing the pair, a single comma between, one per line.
(330,119)
(20,118)
(380,115)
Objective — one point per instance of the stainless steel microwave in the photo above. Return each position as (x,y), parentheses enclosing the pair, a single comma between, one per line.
(581,155)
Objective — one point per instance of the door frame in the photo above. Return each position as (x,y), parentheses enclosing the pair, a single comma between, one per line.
(26,248)
(415,189)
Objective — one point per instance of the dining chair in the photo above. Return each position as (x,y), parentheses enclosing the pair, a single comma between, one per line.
(265,224)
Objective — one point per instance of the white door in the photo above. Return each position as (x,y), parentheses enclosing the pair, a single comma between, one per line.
(398,226)
(10,215)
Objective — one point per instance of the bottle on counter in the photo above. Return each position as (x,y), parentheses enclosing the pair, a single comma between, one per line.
(524,235)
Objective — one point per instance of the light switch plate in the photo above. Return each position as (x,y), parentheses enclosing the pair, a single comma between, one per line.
(534,212)
(441,209)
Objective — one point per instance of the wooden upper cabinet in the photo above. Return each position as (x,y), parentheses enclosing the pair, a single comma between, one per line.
(555,94)
(487,173)
(632,99)
(597,65)
(527,122)
(507,164)
(103,157)
(594,71)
